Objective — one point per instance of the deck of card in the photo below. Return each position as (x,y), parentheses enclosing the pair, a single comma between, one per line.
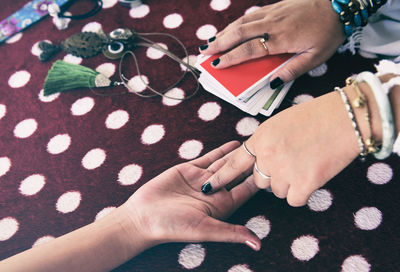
(245,85)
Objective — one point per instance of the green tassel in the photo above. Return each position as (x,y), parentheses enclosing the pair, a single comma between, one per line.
(64,76)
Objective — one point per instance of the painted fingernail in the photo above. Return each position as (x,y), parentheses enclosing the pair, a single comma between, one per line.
(203,47)
(215,62)
(206,188)
(276,83)
(212,39)
(252,245)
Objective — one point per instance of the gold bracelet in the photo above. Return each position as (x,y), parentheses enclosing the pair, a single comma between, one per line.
(360,102)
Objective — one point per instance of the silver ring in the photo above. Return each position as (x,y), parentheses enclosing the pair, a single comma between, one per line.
(261,173)
(247,150)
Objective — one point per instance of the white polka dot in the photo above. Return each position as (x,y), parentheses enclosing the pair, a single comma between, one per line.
(320,200)
(14,38)
(43,240)
(82,106)
(68,202)
(259,225)
(25,128)
(107,69)
(5,165)
(240,268)
(153,134)
(302,98)
(139,12)
(305,247)
(192,61)
(47,98)
(319,70)
(191,256)
(94,158)
(379,173)
(209,111)
(136,84)
(368,218)
(153,53)
(72,59)
(109,3)
(356,263)
(19,79)
(251,9)
(92,27)
(58,144)
(104,212)
(247,126)
(190,149)
(206,31)
(117,119)
(173,20)
(3,110)
(32,184)
(130,174)
(176,93)
(219,5)
(35,50)
(8,227)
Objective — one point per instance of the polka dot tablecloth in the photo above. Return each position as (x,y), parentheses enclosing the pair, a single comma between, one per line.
(69,159)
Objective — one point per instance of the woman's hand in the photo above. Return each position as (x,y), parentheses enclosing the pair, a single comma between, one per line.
(171,208)
(308,27)
(300,148)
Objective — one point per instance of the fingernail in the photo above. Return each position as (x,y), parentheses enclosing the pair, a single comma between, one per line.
(215,62)
(276,83)
(252,245)
(212,39)
(206,188)
(203,47)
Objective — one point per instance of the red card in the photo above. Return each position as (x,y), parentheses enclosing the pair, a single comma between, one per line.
(240,78)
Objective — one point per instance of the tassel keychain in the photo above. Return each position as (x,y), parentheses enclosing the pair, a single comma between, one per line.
(64,76)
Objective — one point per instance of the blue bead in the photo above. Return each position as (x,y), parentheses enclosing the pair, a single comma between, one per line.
(357,20)
(364,14)
(348,30)
(344,2)
(336,7)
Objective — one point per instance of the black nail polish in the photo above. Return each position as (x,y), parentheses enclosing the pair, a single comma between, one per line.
(206,188)
(276,83)
(212,39)
(203,47)
(215,62)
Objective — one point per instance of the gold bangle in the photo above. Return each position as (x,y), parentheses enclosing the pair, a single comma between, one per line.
(361,102)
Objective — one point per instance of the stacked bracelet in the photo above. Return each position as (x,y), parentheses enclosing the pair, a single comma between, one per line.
(363,151)
(385,113)
(355,13)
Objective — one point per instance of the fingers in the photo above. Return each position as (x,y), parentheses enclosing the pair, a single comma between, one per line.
(206,160)
(294,68)
(243,192)
(236,165)
(213,230)
(298,197)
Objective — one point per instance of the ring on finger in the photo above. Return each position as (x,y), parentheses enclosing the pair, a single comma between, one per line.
(264,40)
(261,173)
(247,150)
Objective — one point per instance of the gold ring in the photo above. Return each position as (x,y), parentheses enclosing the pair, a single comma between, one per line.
(263,41)
(261,173)
(247,150)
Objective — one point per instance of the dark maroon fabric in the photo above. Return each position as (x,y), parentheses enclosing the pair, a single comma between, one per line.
(357,229)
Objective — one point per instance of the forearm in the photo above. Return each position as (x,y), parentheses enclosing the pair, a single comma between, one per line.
(99,246)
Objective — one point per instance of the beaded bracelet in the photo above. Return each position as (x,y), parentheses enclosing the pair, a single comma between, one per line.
(363,151)
(385,112)
(355,13)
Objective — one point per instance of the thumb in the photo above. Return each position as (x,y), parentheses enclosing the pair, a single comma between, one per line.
(214,230)
(299,65)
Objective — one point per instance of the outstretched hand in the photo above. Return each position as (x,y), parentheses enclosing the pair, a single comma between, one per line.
(306,27)
(171,207)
